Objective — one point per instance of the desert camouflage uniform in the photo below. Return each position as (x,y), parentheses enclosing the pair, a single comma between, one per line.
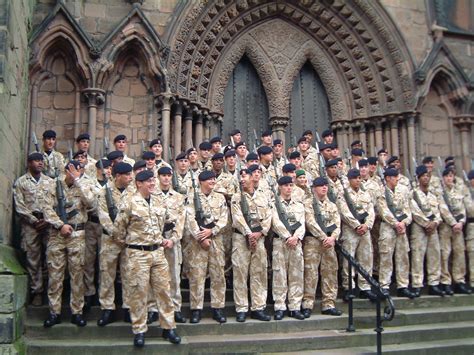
(452,243)
(128,160)
(375,187)
(90,170)
(27,193)
(216,218)
(279,162)
(204,165)
(469,203)
(318,259)
(68,251)
(310,164)
(422,243)
(287,263)
(390,242)
(52,162)
(140,224)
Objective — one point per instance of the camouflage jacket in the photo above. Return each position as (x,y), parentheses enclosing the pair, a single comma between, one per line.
(330,216)
(425,207)
(401,205)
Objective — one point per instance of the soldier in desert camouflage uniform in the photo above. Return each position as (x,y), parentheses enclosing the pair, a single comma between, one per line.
(53,160)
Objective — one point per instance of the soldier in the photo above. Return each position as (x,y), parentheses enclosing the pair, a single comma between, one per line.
(278,156)
(150,159)
(139,165)
(287,255)
(325,150)
(301,181)
(156,147)
(266,138)
(241,151)
(382,156)
(183,173)
(402,179)
(308,134)
(357,144)
(193,157)
(394,209)
(231,163)
(35,230)
(310,162)
(356,232)
(53,160)
(451,237)
(328,137)
(83,142)
(356,155)
(110,249)
(66,245)
(236,136)
(290,170)
(469,203)
(252,159)
(116,157)
(435,182)
(216,143)
(208,215)
(252,217)
(139,224)
(204,161)
(424,239)
(265,154)
(121,143)
(318,251)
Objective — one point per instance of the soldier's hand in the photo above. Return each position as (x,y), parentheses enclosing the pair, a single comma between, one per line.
(167,243)
(400,227)
(329,242)
(292,242)
(204,233)
(66,230)
(73,172)
(362,229)
(205,244)
(457,227)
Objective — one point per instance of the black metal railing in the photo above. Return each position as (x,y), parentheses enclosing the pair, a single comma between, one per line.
(389,309)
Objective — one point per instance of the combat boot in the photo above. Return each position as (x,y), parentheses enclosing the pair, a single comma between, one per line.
(139,340)
(436,291)
(52,319)
(105,318)
(171,336)
(78,320)
(462,288)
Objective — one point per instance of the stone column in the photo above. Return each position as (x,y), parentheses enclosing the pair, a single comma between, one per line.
(207,126)
(178,115)
(345,136)
(350,134)
(378,134)
(464,124)
(386,136)
(411,136)
(199,127)
(94,98)
(77,114)
(166,100)
(363,138)
(279,125)
(404,141)
(188,127)
(107,113)
(371,134)
(394,135)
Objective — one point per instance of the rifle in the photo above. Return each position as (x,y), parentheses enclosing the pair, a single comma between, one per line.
(414,184)
(69,151)
(281,211)
(199,212)
(350,203)
(61,207)
(255,142)
(108,195)
(321,220)
(389,200)
(106,145)
(445,193)
(174,179)
(322,163)
(468,183)
(35,141)
(143,146)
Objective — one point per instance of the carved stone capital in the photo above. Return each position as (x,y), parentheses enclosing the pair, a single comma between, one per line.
(463,122)
(164,100)
(94,96)
(279,121)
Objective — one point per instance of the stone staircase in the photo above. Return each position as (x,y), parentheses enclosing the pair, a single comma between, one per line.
(428,325)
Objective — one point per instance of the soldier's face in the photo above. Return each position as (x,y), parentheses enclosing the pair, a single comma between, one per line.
(242,151)
(183,164)
(266,158)
(334,153)
(252,162)
(48,143)
(216,147)
(372,168)
(157,149)
(150,163)
(364,170)
(392,181)
(218,164)
(332,171)
(397,164)
(108,172)
(124,179)
(309,138)
(237,138)
(285,190)
(256,175)
(304,146)
(291,174)
(301,180)
(449,179)
(424,179)
(429,166)
(84,145)
(245,180)
(230,161)
(278,149)
(121,145)
(205,154)
(296,161)
(355,183)
(329,139)
(165,180)
(208,185)
(383,157)
(267,140)
(146,187)
(82,159)
(192,156)
(36,166)
(320,191)
(327,153)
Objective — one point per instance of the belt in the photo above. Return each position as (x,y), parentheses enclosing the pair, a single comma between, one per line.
(470,220)
(92,218)
(77,226)
(144,247)
(252,229)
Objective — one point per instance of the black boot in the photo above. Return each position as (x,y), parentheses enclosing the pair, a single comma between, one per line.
(52,319)
(126,316)
(171,336)
(139,340)
(78,320)
(152,317)
(332,312)
(179,318)
(447,289)
(405,292)
(345,295)
(462,288)
(306,312)
(241,317)
(279,315)
(106,317)
(436,291)
(88,300)
(260,315)
(297,315)
(416,291)
(195,316)
(218,315)
(368,294)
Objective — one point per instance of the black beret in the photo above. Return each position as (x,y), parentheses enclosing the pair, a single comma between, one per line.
(227,148)
(353,173)
(447,171)
(449,158)
(105,163)
(357,152)
(323,146)
(338,159)
(363,162)
(264,150)
(294,155)
(240,144)
(181,156)
(144,175)
(372,160)
(327,133)
(333,145)
(234,132)
(79,152)
(115,155)
(120,137)
(320,181)
(390,172)
(420,170)
(229,153)
(253,168)
(165,170)
(217,156)
(356,142)
(205,146)
(139,164)
(470,175)
(247,171)
(302,139)
(392,159)
(427,160)
(252,156)
(215,140)
(190,150)
(308,131)
(155,141)
(35,156)
(331,162)
(49,134)
(287,168)
(267,133)
(83,136)
(76,164)
(206,175)
(450,164)
(122,168)
(277,141)
(148,155)
(285,180)
(383,150)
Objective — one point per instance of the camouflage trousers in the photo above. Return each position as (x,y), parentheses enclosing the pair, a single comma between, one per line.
(62,252)
(470,251)
(288,271)
(422,245)
(109,257)
(374,235)
(391,243)
(186,253)
(147,269)
(245,263)
(453,259)
(318,259)
(360,247)
(93,233)
(199,262)
(34,244)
